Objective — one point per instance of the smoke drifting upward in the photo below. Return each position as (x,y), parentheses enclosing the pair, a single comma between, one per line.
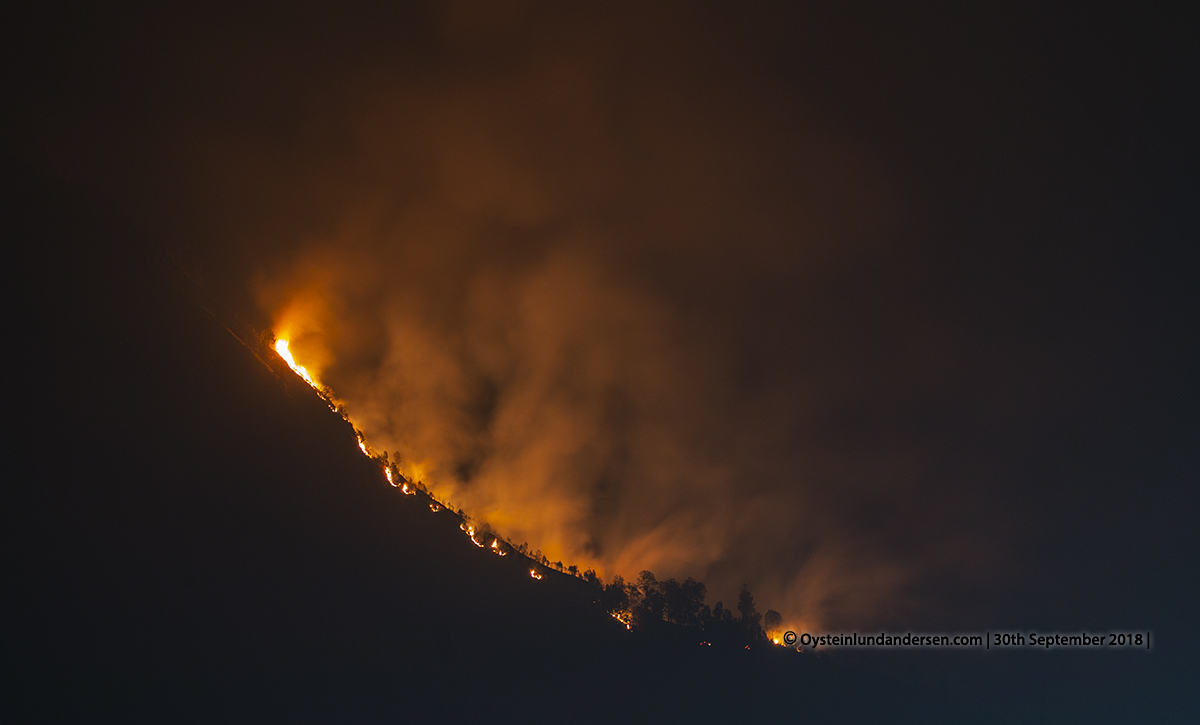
(575,289)
(603,283)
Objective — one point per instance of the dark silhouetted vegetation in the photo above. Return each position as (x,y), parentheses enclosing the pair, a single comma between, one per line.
(677,609)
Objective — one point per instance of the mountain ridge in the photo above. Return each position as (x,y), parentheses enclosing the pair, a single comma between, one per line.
(202,539)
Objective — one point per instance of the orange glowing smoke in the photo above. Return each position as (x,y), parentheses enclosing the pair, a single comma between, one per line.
(281,347)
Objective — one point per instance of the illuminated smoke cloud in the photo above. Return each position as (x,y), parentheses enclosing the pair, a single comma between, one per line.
(602,284)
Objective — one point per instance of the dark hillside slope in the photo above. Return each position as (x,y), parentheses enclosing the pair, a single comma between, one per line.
(195,537)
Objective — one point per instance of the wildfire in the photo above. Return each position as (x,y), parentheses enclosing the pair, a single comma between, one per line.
(281,347)
(412,471)
(400,476)
(470,529)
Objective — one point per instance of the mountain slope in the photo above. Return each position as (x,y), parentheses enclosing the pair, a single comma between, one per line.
(196,536)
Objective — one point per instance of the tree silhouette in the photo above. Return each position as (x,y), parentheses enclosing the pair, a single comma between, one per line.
(615,596)
(683,601)
(772,622)
(649,603)
(671,608)
(750,619)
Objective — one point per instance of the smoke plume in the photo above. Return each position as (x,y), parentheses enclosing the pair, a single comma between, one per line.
(600,281)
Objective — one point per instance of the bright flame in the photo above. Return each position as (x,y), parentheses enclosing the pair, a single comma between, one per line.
(281,347)
(387,471)
(470,529)
(533,573)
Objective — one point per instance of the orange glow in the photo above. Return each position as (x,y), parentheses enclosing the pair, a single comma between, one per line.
(400,474)
(470,529)
(281,347)
(414,471)
(304,329)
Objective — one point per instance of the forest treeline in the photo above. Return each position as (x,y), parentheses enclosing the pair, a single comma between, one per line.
(671,607)
(663,609)
(666,608)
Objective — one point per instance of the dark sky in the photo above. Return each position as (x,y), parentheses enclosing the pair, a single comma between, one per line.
(885,311)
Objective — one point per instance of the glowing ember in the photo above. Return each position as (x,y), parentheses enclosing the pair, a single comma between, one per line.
(432,507)
(533,573)
(470,529)
(281,347)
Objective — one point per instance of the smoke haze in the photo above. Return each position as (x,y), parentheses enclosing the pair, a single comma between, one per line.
(604,282)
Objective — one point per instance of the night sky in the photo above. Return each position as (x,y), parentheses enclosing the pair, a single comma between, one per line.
(887,312)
